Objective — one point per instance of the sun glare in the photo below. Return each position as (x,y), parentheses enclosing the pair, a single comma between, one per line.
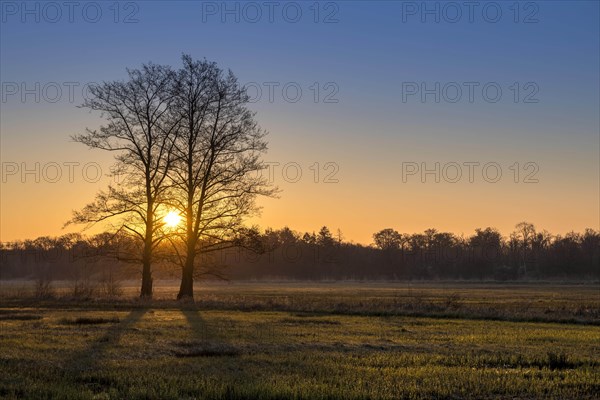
(172,219)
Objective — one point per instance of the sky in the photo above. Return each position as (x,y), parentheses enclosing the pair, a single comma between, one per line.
(400,114)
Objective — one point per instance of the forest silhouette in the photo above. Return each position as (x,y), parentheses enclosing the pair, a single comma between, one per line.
(526,254)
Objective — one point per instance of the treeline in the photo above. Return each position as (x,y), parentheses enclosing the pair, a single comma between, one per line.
(286,254)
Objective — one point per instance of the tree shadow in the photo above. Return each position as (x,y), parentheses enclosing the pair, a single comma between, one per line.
(209,340)
(235,343)
(88,360)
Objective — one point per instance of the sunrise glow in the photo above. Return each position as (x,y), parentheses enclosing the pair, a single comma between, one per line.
(172,219)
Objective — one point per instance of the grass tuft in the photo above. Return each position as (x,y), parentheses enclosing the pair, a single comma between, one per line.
(90,321)
(314,321)
(20,317)
(558,361)
(205,349)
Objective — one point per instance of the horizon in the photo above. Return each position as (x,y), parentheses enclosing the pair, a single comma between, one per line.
(335,231)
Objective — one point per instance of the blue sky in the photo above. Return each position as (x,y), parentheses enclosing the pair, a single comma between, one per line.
(372,50)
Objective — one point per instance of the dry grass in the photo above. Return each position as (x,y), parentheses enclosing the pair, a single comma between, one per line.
(320,342)
(563,303)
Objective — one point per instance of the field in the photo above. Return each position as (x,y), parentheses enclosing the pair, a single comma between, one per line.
(305,341)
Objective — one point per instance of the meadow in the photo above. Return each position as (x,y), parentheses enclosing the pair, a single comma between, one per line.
(304,341)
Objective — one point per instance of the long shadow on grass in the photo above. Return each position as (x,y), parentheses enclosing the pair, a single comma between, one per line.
(86,361)
(212,340)
(244,377)
(209,340)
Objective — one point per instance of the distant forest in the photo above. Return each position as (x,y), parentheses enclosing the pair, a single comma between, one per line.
(324,255)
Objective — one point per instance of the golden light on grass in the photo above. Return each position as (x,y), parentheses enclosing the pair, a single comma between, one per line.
(172,219)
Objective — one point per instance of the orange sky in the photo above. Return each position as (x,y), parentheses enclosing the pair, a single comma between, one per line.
(369,193)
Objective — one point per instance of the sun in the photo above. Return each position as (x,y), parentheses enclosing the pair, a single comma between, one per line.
(172,219)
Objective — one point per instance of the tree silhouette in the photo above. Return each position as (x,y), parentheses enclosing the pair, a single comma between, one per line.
(325,238)
(140,129)
(217,174)
(525,233)
(387,239)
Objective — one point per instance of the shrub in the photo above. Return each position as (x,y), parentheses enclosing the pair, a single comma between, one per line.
(43,287)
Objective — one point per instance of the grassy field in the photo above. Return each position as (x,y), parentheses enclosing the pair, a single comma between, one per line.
(306,341)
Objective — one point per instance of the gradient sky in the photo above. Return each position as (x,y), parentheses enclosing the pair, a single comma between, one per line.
(369,55)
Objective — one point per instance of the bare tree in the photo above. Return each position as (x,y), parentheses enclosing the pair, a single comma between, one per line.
(526,232)
(140,129)
(218,170)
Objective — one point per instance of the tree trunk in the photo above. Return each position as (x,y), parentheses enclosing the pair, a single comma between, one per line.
(186,290)
(146,291)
